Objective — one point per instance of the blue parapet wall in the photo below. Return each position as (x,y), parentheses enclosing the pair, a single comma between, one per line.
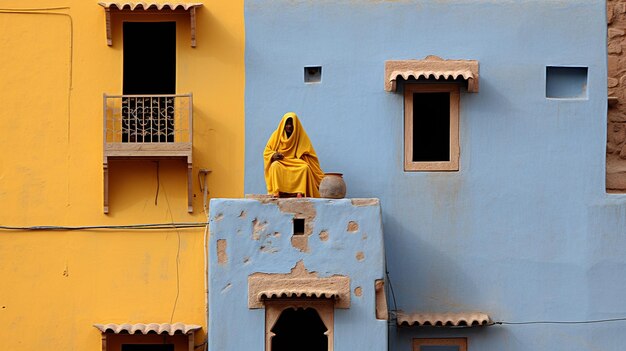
(255,236)
(524,230)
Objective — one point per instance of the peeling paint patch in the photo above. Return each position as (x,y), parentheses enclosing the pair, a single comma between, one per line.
(257,228)
(243,214)
(268,248)
(276,235)
(364,202)
(222,258)
(300,242)
(301,208)
(218,217)
(246,260)
(358,291)
(324,235)
(353,227)
(227,287)
(381,300)
(360,256)
(299,282)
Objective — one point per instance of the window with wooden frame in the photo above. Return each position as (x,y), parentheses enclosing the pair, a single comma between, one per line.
(431,127)
(432,344)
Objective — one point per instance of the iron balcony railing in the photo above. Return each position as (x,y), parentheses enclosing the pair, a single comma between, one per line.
(153,119)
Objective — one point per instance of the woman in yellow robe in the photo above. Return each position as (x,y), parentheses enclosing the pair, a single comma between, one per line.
(291,165)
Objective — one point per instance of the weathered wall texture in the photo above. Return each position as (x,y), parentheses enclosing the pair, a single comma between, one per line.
(57,284)
(252,253)
(616,136)
(524,230)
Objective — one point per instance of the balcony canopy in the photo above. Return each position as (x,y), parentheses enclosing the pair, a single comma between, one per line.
(457,319)
(150,8)
(146,328)
(432,67)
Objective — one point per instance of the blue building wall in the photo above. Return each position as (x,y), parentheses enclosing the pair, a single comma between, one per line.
(257,238)
(524,230)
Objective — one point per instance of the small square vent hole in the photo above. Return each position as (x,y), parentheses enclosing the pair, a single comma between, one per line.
(313,74)
(566,82)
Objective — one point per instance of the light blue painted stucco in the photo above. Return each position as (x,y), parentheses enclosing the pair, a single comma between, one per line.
(524,230)
(257,236)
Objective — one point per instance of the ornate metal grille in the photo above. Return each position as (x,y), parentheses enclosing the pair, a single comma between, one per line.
(148,118)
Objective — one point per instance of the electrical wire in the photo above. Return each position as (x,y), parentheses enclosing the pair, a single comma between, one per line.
(169,210)
(393,295)
(156,196)
(147,226)
(36,9)
(45,11)
(593,321)
(204,187)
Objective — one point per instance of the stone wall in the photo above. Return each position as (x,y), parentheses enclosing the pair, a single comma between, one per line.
(616,138)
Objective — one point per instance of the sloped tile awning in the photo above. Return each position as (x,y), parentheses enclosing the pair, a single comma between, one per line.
(141,331)
(150,7)
(458,319)
(432,67)
(298,293)
(156,328)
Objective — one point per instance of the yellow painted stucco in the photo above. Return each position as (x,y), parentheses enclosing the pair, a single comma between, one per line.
(55,66)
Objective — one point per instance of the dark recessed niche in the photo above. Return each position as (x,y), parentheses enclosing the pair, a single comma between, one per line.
(313,74)
(298,226)
(566,82)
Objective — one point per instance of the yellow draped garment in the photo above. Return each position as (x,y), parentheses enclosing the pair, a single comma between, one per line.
(299,171)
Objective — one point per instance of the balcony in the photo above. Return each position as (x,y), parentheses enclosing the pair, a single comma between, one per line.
(147,127)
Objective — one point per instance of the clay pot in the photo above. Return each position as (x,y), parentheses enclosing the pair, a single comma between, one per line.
(333,186)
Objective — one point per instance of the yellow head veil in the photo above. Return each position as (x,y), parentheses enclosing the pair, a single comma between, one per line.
(296,146)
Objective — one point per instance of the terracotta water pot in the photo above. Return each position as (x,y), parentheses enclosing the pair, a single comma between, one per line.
(333,186)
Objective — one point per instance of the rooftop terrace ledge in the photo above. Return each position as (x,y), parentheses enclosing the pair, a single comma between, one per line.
(292,205)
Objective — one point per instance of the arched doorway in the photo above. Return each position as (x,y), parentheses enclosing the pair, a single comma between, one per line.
(299,324)
(299,329)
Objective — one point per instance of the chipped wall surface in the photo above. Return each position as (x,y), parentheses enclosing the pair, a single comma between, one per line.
(524,230)
(263,262)
(616,137)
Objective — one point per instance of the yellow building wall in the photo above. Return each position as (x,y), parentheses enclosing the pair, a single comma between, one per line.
(54,68)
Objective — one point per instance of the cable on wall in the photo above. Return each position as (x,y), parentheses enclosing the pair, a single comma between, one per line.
(169,211)
(46,11)
(592,321)
(147,226)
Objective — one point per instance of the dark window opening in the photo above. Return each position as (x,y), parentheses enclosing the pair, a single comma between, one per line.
(431,127)
(300,329)
(149,69)
(439,348)
(298,226)
(148,347)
